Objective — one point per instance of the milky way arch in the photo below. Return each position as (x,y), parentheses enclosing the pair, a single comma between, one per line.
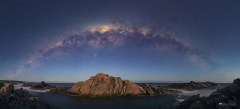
(114,36)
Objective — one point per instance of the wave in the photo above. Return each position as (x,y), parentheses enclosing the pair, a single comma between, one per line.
(18,86)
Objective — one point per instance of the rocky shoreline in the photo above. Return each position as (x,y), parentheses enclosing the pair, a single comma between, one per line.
(192,85)
(226,98)
(19,99)
(104,85)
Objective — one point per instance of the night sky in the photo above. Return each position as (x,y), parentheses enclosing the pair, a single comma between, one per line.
(138,40)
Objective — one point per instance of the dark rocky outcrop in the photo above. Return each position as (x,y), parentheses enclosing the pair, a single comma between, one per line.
(21,93)
(42,86)
(19,99)
(27,84)
(151,90)
(1,84)
(226,98)
(192,85)
(236,81)
(59,90)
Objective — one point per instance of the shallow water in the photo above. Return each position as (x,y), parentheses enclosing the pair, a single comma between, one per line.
(203,92)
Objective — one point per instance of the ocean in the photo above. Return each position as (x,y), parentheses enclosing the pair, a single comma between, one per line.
(58,101)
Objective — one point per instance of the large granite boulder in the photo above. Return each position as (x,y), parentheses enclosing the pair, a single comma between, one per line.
(104,85)
(19,99)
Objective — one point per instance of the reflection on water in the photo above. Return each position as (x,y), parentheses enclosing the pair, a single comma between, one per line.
(66,102)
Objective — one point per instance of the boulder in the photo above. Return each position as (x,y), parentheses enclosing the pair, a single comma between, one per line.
(236,81)
(20,92)
(7,89)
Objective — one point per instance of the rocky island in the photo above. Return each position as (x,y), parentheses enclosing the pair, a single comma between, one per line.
(192,85)
(19,99)
(226,98)
(104,85)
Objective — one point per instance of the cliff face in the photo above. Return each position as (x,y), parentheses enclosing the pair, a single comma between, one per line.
(104,85)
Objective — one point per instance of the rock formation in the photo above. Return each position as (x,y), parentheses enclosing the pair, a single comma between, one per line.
(192,85)
(42,86)
(7,89)
(236,81)
(59,90)
(27,84)
(226,98)
(19,99)
(151,90)
(105,85)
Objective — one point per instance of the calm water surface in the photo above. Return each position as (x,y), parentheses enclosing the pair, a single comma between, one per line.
(67,102)
(58,101)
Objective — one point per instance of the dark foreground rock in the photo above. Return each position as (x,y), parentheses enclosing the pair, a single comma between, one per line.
(236,81)
(192,85)
(226,98)
(19,99)
(104,85)
(42,86)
